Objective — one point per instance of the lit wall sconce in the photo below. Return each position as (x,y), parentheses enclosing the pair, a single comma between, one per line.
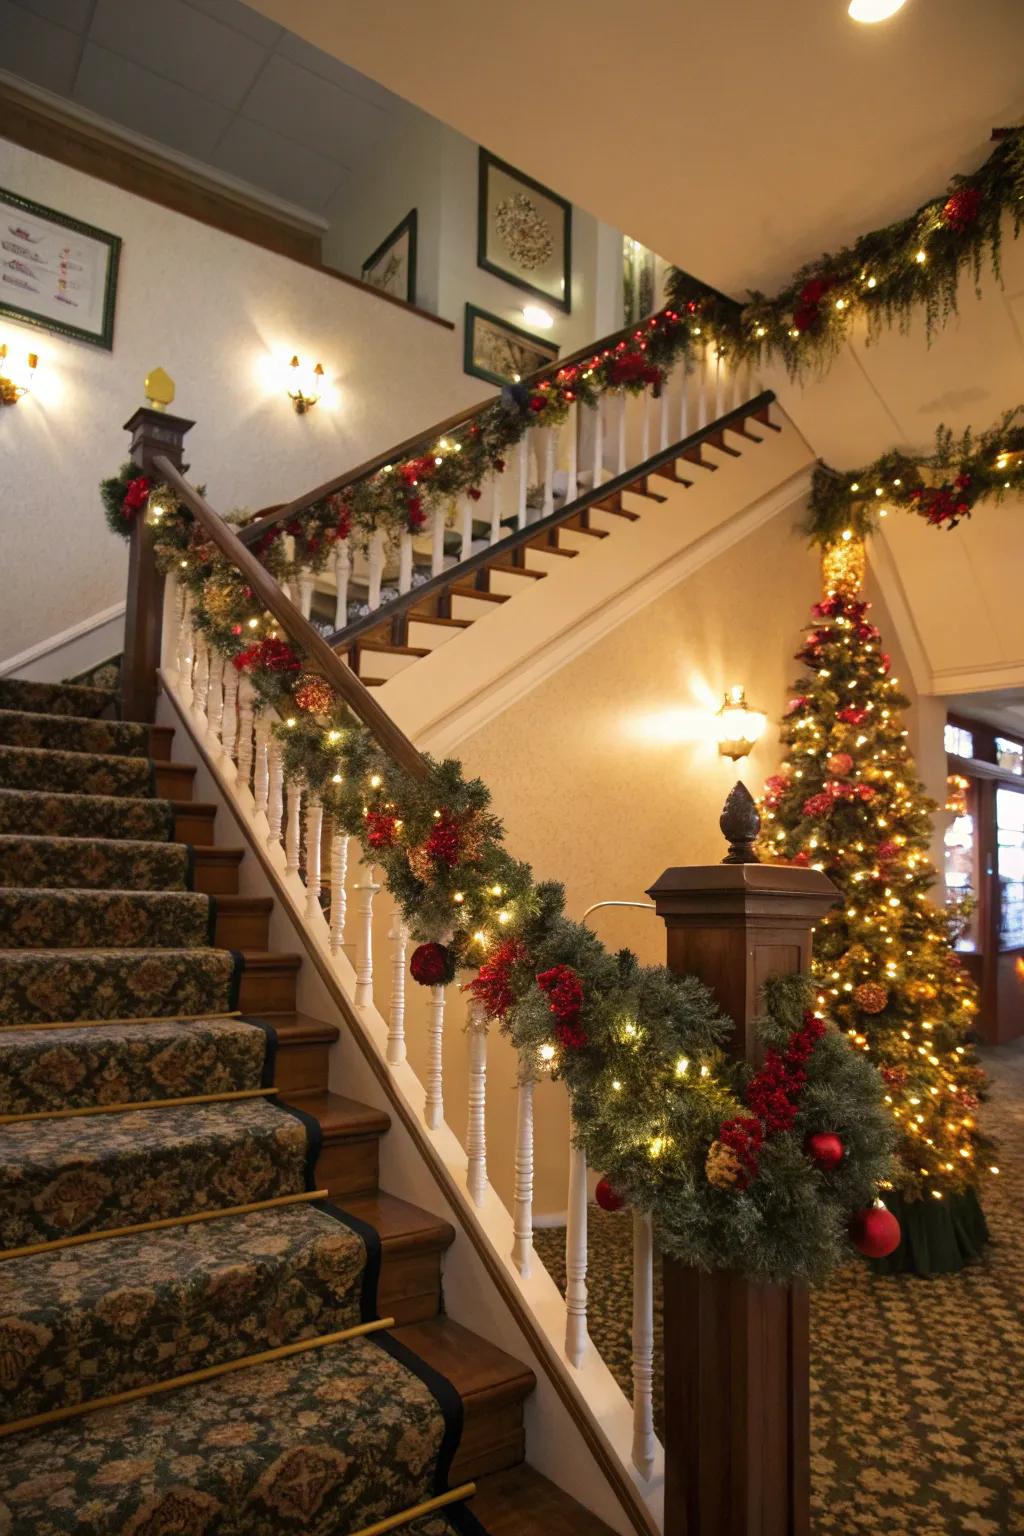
(305,385)
(739,726)
(16,381)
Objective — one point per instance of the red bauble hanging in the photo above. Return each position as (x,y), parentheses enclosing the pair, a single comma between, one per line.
(313,694)
(432,965)
(960,210)
(608,1198)
(875,1232)
(825,1149)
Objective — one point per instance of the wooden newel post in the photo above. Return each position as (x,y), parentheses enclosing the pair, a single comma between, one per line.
(737,1416)
(153,432)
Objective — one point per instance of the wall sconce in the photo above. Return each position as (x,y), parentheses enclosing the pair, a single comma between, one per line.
(305,384)
(739,726)
(15,382)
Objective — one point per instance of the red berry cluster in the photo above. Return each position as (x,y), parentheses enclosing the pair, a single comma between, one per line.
(822,803)
(444,844)
(273,655)
(773,1094)
(492,984)
(381,829)
(564,992)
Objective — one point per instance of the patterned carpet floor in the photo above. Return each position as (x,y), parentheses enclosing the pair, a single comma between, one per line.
(917,1385)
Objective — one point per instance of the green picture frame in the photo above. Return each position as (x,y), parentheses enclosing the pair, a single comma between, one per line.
(502,353)
(524,232)
(396,251)
(56,272)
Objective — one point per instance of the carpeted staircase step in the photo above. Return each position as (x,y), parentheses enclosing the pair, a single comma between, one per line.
(57,698)
(63,984)
(76,772)
(68,733)
(71,919)
(413,1243)
(326,1441)
(59,1177)
(520,1502)
(42,813)
(88,1064)
(103,1317)
(97,863)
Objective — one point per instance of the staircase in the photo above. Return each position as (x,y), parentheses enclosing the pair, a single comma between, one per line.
(195,1246)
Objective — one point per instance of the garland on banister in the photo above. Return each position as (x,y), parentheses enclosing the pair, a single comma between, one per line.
(883,277)
(656,1099)
(942,487)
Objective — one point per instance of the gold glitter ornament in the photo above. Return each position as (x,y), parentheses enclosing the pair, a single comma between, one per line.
(312,694)
(723,1168)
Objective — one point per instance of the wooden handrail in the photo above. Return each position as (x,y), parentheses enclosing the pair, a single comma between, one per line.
(359,699)
(522,536)
(439,429)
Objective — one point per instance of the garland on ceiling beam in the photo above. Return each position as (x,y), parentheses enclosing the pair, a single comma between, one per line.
(942,487)
(884,277)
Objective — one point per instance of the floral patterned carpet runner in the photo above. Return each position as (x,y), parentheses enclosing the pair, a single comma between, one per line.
(97,922)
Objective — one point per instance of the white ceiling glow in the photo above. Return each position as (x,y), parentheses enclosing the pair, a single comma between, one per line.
(874,10)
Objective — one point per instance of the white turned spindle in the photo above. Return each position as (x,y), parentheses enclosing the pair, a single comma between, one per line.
(229,722)
(376,569)
(215,696)
(275,793)
(644,1443)
(398,933)
(246,698)
(572,476)
(404,561)
(305,591)
(576,1258)
(293,826)
(550,444)
(702,387)
(339,893)
(597,462)
(342,572)
(645,426)
(466,529)
(185,641)
(201,676)
(496,528)
(476,1124)
(522,1188)
(434,1107)
(663,412)
(314,829)
(367,889)
(523,476)
(684,401)
(261,763)
(620,454)
(719,384)
(437,527)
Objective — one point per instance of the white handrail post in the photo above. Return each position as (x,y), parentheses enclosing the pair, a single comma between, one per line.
(339,894)
(314,830)
(229,721)
(621,451)
(496,530)
(572,476)
(598,444)
(305,591)
(437,528)
(576,1258)
(719,384)
(523,473)
(246,698)
(367,888)
(702,387)
(186,646)
(275,793)
(466,529)
(476,1125)
(293,827)
(645,428)
(200,676)
(342,572)
(215,696)
(644,1443)
(663,428)
(376,570)
(261,764)
(404,561)
(399,936)
(550,442)
(522,1196)
(434,1106)
(684,400)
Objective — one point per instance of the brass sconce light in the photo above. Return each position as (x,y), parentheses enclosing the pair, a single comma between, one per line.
(305,385)
(739,726)
(14,384)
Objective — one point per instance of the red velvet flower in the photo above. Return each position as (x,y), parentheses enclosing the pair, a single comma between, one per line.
(961,209)
(444,843)
(270,656)
(852,715)
(564,992)
(135,496)
(381,829)
(818,805)
(432,965)
(492,984)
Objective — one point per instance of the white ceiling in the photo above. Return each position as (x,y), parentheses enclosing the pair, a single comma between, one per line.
(211,79)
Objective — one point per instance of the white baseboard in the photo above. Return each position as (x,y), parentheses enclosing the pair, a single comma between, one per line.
(83,645)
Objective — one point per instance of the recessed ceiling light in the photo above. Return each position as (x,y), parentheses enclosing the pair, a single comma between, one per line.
(874,10)
(534,315)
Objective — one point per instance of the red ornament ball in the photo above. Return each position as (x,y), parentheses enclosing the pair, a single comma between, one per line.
(962,208)
(839,764)
(825,1149)
(607,1197)
(432,965)
(875,1232)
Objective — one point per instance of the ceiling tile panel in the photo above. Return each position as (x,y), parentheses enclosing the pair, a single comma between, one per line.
(256,154)
(312,111)
(36,49)
(139,99)
(71,14)
(181,44)
(241,18)
(298,51)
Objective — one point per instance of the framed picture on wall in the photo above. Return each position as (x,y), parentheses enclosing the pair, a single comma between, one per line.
(392,267)
(524,232)
(56,272)
(500,352)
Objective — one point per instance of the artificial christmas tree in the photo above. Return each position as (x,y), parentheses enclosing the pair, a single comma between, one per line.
(848,802)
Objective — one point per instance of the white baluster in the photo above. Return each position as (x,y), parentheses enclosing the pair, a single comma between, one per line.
(621,424)
(275,793)
(261,763)
(522,1188)
(576,1258)
(598,443)
(466,529)
(719,385)
(215,696)
(339,894)
(314,829)
(645,426)
(367,888)
(684,401)
(405,561)
(246,699)
(434,1107)
(550,441)
(399,936)
(497,531)
(437,527)
(523,474)
(571,482)
(702,387)
(305,591)
(663,405)
(376,569)
(229,722)
(342,572)
(476,1125)
(293,827)
(201,676)
(644,1444)
(185,642)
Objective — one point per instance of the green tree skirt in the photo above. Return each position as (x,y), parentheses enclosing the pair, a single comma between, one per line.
(939,1236)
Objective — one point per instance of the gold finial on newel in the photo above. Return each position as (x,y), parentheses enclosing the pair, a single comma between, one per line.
(159,387)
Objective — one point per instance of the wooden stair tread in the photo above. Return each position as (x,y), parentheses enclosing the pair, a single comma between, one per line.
(216,853)
(517,570)
(544,548)
(399,1224)
(205,808)
(416,617)
(639,488)
(617,511)
(244,904)
(339,1117)
(521,1502)
(477,593)
(297,1028)
(479,1371)
(385,647)
(270,960)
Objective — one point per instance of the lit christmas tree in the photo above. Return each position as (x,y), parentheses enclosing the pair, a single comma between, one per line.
(848,802)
